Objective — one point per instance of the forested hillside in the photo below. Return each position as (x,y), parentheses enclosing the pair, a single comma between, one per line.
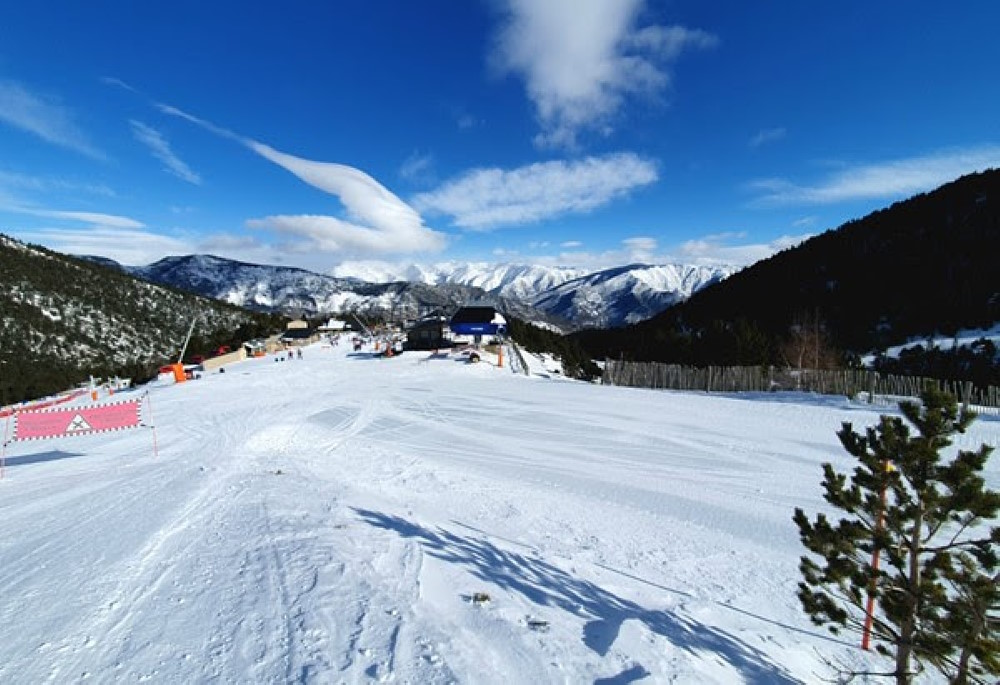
(64,319)
(922,266)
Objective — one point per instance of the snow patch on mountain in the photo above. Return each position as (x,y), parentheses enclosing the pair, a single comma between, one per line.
(520,281)
(628,294)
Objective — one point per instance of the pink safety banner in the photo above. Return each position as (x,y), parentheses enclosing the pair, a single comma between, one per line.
(55,423)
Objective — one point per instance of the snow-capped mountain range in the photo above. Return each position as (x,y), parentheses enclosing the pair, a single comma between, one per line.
(627,294)
(606,298)
(519,281)
(562,296)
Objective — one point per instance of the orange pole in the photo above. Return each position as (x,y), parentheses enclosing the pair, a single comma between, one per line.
(870,607)
(500,357)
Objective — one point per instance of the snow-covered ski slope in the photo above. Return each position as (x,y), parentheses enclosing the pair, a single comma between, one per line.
(331,520)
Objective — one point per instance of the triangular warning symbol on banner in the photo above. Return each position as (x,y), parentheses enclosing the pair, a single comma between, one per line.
(78,424)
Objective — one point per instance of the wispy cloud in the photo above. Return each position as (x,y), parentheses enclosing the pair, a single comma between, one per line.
(467,121)
(640,248)
(132,246)
(640,243)
(46,184)
(203,123)
(96,219)
(881,180)
(417,167)
(767,135)
(129,242)
(117,237)
(637,249)
(118,83)
(482,199)
(721,249)
(46,118)
(580,61)
(378,222)
(161,149)
(733,248)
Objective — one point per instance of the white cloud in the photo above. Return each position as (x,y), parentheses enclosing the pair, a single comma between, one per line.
(386,223)
(767,135)
(207,125)
(640,249)
(92,218)
(570,244)
(881,180)
(330,234)
(160,148)
(640,243)
(727,248)
(45,118)
(485,198)
(580,60)
(124,245)
(379,222)
(371,270)
(722,249)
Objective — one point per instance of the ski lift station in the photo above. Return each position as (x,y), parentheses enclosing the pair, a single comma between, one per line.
(477,319)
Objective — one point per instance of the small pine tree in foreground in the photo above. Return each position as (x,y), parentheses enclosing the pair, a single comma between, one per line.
(935,591)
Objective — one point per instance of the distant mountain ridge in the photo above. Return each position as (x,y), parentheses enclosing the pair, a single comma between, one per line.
(563,297)
(519,281)
(589,299)
(627,294)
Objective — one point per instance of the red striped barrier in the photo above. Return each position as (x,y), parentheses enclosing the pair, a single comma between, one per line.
(38,424)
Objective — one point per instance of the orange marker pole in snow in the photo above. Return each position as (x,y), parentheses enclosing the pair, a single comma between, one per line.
(500,356)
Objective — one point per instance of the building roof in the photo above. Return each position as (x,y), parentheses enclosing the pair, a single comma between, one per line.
(296,334)
(477,313)
(436,323)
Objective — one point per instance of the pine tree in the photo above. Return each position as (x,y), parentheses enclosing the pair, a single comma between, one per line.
(935,594)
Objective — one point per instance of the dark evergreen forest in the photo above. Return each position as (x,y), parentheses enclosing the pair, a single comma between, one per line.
(924,266)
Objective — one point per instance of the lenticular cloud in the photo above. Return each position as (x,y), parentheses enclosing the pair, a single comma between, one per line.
(377,220)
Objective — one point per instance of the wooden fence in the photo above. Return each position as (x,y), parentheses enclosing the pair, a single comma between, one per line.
(875,388)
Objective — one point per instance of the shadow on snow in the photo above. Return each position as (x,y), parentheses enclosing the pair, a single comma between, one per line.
(547,585)
(39,457)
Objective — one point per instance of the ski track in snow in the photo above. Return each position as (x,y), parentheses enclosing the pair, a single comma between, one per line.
(331,520)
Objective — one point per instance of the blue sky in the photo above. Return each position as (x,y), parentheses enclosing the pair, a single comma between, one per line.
(575,132)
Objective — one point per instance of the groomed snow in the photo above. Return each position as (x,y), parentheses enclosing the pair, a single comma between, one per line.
(331,520)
